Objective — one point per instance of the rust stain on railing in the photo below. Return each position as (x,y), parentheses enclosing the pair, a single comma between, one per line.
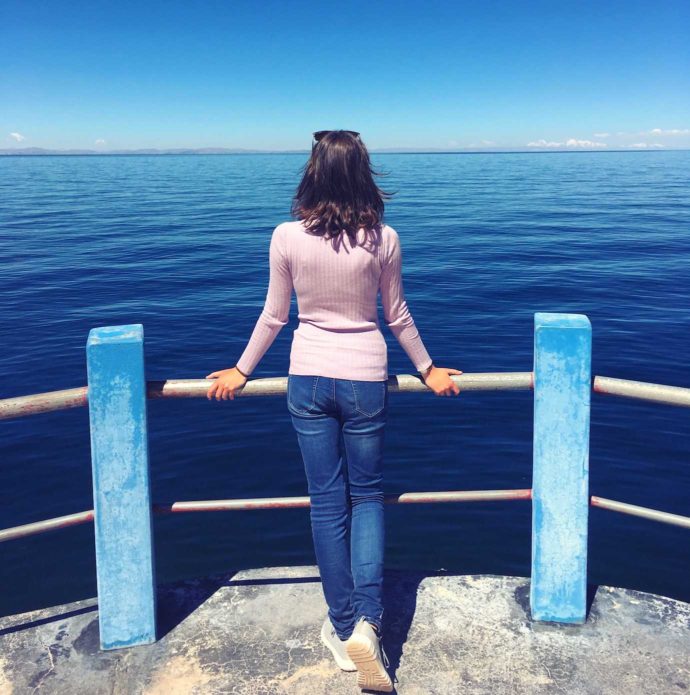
(46,525)
(47,402)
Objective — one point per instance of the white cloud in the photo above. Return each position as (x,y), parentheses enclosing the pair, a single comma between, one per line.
(544,143)
(488,143)
(672,131)
(645,145)
(17,137)
(100,141)
(584,143)
(601,135)
(571,142)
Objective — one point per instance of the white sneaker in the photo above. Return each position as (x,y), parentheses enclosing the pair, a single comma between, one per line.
(364,649)
(337,646)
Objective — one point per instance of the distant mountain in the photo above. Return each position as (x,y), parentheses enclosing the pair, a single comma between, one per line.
(40,150)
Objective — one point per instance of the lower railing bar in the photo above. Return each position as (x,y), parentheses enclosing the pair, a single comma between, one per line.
(9,534)
(294,502)
(298,502)
(658,393)
(266,503)
(232,505)
(644,512)
(459,496)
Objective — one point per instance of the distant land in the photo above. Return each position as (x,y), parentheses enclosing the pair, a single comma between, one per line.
(182,150)
(38,151)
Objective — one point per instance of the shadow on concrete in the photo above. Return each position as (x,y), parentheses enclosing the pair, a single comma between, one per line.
(178,600)
(400,589)
(274,580)
(48,619)
(522,599)
(591,595)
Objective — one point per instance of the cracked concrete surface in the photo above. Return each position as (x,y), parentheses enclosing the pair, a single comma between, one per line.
(257,632)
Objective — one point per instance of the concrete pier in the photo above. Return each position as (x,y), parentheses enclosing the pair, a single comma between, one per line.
(257,632)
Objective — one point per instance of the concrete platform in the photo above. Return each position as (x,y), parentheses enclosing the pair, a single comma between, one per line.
(257,632)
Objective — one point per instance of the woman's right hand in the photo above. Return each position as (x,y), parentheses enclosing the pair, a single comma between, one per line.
(439,381)
(226,382)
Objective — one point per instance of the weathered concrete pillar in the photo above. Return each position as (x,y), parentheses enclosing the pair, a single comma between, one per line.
(560,505)
(121,495)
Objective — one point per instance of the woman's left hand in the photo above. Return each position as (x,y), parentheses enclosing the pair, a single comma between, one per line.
(226,383)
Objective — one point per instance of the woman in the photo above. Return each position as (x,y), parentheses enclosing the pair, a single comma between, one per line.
(337,256)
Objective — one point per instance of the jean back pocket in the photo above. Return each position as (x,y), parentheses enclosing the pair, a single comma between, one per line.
(301,393)
(370,396)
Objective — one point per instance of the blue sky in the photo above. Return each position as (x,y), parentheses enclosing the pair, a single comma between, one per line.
(266,74)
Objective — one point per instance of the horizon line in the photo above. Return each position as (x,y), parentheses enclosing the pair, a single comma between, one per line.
(44,151)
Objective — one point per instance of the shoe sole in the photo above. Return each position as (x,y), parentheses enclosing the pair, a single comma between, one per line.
(342,665)
(371,673)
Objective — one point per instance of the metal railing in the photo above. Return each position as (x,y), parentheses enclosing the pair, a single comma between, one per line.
(117,395)
(49,401)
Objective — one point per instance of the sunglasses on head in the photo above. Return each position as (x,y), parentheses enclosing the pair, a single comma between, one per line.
(320,134)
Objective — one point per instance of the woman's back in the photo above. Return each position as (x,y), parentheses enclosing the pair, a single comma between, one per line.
(336,283)
(336,287)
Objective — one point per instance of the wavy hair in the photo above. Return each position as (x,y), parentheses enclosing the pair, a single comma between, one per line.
(337,192)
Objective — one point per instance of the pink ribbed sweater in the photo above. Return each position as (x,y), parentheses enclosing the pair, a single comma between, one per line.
(339,333)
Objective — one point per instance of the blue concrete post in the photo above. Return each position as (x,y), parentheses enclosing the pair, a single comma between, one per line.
(121,497)
(560,481)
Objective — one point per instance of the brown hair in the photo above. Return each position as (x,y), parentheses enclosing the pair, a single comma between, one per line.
(337,192)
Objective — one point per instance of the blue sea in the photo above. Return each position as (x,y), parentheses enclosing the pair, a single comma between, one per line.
(180,245)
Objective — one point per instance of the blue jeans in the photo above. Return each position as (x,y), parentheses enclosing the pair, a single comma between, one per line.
(345,485)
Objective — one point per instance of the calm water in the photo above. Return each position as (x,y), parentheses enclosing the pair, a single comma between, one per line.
(180,244)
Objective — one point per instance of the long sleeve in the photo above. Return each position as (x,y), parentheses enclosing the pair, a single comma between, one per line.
(276,307)
(395,310)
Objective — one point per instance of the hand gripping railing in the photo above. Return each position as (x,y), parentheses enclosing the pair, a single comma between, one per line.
(117,393)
